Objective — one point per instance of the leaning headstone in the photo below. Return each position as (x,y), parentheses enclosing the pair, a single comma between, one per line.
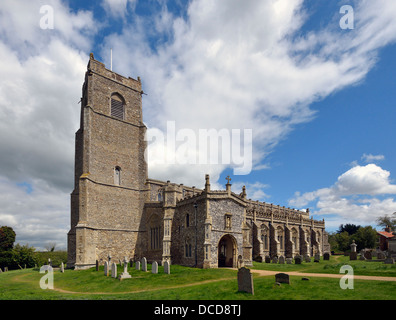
(125,274)
(267,259)
(275,259)
(106,269)
(297,259)
(137,266)
(144,264)
(326,256)
(166,267)
(282,260)
(114,270)
(154,267)
(282,278)
(362,257)
(245,280)
(62,269)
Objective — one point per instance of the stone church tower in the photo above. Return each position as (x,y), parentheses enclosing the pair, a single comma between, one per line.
(110,169)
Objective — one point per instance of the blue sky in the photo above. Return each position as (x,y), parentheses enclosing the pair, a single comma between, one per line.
(320,100)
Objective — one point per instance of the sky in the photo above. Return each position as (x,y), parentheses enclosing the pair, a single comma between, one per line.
(304,91)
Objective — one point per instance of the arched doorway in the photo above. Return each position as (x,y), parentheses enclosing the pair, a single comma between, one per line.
(227,251)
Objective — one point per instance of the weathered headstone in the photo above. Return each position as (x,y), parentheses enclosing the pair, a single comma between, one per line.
(389,259)
(381,255)
(144,264)
(106,269)
(297,259)
(240,263)
(62,268)
(137,266)
(289,260)
(125,274)
(275,259)
(282,260)
(368,255)
(317,257)
(166,267)
(307,258)
(154,267)
(114,270)
(362,257)
(326,256)
(267,259)
(282,278)
(245,280)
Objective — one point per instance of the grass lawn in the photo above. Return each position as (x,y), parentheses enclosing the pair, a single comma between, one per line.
(200,284)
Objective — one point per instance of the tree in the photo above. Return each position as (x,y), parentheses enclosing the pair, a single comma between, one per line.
(7,238)
(387,220)
(365,237)
(350,228)
(343,241)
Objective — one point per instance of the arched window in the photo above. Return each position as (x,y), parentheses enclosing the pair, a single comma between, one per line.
(117,106)
(117,176)
(159,196)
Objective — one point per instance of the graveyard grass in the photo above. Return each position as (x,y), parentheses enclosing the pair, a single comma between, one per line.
(202,284)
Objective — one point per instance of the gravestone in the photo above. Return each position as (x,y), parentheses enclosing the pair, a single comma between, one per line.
(154,267)
(289,260)
(62,268)
(166,267)
(389,259)
(245,280)
(282,278)
(1,270)
(267,259)
(282,260)
(381,255)
(362,257)
(307,258)
(326,256)
(275,259)
(144,264)
(240,263)
(368,255)
(317,257)
(106,269)
(125,274)
(114,270)
(137,267)
(297,259)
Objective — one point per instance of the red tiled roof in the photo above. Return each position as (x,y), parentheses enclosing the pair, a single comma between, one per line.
(386,234)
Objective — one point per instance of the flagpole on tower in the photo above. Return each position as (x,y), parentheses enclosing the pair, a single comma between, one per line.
(111,59)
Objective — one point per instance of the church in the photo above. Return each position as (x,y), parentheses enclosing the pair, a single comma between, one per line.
(118,211)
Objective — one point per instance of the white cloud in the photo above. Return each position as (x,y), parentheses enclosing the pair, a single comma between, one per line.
(361,193)
(372,158)
(243,65)
(42,72)
(118,8)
